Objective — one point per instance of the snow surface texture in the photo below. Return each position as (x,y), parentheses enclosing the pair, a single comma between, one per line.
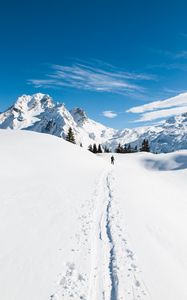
(74,227)
(41,114)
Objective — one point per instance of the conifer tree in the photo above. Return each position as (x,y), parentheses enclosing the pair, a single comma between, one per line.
(119,149)
(129,149)
(95,148)
(125,149)
(90,148)
(145,146)
(106,149)
(70,136)
(99,150)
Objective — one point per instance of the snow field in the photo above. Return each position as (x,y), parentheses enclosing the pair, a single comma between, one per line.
(74,227)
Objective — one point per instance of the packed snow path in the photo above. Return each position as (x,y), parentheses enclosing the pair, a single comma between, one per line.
(114,273)
(114,267)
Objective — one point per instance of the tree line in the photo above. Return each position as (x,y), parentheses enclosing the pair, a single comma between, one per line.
(98,149)
(70,137)
(127,148)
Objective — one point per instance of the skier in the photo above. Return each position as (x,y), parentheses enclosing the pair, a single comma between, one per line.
(112,160)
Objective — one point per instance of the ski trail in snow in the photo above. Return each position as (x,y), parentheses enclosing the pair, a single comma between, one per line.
(128,283)
(114,272)
(99,283)
(103,276)
(112,261)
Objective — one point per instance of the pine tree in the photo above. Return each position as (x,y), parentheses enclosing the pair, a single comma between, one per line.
(145,146)
(95,148)
(70,136)
(119,149)
(106,149)
(129,149)
(90,148)
(80,144)
(125,149)
(99,150)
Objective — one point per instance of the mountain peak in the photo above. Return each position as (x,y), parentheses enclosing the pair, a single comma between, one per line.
(37,101)
(79,115)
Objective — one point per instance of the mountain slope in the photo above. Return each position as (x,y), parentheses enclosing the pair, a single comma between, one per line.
(41,114)
(169,136)
(45,184)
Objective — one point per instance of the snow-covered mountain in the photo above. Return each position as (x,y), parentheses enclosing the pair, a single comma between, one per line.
(168,136)
(41,114)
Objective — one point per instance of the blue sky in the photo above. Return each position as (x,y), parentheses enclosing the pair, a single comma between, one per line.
(104,56)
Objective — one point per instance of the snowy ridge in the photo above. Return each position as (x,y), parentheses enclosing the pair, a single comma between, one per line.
(41,114)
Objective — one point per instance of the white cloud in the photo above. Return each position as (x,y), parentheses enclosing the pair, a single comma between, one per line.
(109,114)
(164,113)
(161,109)
(88,77)
(178,100)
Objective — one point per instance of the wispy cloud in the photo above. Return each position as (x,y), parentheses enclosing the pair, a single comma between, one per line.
(93,78)
(161,109)
(161,114)
(109,114)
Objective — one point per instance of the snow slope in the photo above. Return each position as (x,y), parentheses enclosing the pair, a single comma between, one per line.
(46,187)
(152,204)
(74,227)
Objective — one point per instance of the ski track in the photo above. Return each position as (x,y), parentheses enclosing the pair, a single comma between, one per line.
(114,274)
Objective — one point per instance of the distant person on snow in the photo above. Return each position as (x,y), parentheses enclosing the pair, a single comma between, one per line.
(112,160)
